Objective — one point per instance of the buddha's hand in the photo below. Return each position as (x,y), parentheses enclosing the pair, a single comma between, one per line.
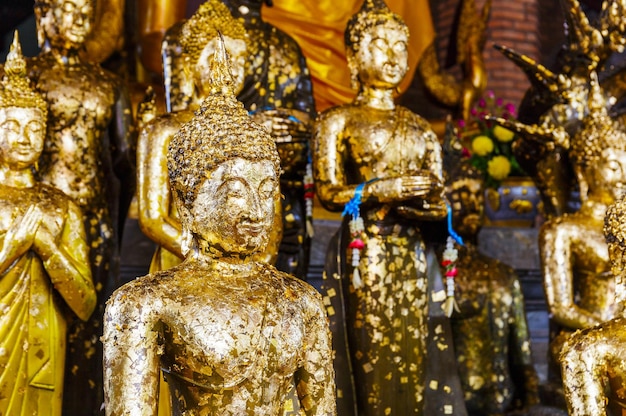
(21,234)
(285,125)
(405,188)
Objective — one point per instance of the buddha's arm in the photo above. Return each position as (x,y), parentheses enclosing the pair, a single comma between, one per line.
(556,241)
(520,347)
(19,237)
(66,260)
(315,381)
(131,361)
(585,367)
(153,190)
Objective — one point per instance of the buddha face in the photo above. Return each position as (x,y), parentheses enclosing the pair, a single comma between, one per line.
(236,49)
(234,209)
(467,200)
(608,175)
(22,133)
(71,22)
(381,57)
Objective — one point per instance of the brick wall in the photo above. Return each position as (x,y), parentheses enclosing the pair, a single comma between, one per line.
(514,24)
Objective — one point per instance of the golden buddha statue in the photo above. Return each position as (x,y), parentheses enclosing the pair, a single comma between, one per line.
(489,328)
(229,332)
(390,158)
(593,359)
(88,154)
(44,260)
(579,286)
(158,217)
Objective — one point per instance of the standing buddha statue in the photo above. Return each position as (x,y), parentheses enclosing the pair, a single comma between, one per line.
(44,260)
(489,328)
(388,158)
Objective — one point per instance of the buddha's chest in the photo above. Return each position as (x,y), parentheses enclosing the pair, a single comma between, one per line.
(77,96)
(232,338)
(387,144)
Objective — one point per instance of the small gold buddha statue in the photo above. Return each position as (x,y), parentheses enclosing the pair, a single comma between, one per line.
(489,328)
(44,257)
(88,154)
(158,217)
(390,158)
(593,360)
(229,332)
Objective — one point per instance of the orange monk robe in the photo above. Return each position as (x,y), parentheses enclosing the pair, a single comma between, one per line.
(318,27)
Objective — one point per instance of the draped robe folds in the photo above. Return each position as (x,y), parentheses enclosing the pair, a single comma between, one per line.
(33,317)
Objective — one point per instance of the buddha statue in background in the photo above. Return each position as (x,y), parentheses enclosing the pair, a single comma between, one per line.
(579,285)
(277,92)
(390,158)
(158,217)
(44,257)
(593,359)
(88,154)
(489,328)
(230,333)
(558,98)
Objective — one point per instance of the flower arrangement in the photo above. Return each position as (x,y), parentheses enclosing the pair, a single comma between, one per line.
(488,145)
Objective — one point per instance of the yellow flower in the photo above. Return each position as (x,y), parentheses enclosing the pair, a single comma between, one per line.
(482,145)
(502,134)
(499,167)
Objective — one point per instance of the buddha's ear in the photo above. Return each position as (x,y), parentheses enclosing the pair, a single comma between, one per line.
(354,70)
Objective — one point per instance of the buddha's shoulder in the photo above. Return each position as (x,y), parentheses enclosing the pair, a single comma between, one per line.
(141,289)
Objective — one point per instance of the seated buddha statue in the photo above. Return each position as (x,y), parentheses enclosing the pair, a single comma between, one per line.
(230,333)
(593,360)
(44,257)
(390,158)
(489,328)
(158,217)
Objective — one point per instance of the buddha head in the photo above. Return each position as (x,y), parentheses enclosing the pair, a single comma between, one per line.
(224,171)
(598,151)
(64,23)
(465,192)
(376,46)
(199,39)
(23,114)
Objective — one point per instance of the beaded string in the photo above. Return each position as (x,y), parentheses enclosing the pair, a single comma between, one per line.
(450,257)
(309,194)
(352,208)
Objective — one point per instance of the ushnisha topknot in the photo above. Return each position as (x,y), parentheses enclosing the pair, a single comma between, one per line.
(371,14)
(211,17)
(220,130)
(15,89)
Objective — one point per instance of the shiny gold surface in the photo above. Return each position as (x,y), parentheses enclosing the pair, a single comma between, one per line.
(593,359)
(43,257)
(372,139)
(580,289)
(490,332)
(158,217)
(231,333)
(88,155)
